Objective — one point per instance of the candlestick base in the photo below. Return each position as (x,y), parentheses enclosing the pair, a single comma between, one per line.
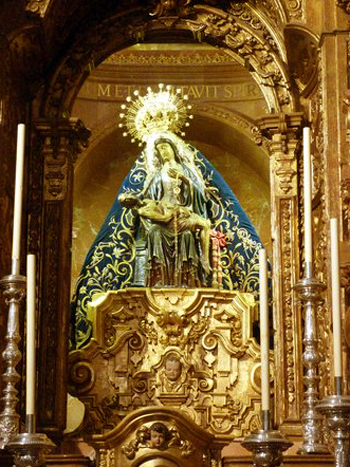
(14,287)
(336,408)
(29,449)
(267,447)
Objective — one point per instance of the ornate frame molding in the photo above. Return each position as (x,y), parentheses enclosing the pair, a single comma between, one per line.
(244,32)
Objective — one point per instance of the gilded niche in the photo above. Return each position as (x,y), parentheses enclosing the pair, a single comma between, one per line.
(187,349)
(165,303)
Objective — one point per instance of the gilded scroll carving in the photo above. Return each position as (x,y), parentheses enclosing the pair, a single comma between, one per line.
(241,30)
(247,15)
(251,42)
(37,6)
(295,9)
(282,146)
(174,7)
(158,436)
(284,165)
(188,349)
(82,376)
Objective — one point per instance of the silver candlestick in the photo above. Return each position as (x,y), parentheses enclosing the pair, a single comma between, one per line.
(14,290)
(309,291)
(336,408)
(29,449)
(266,445)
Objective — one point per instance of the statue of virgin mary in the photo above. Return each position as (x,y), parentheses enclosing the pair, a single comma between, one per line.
(174,222)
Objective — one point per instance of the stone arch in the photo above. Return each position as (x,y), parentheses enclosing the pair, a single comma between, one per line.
(248,34)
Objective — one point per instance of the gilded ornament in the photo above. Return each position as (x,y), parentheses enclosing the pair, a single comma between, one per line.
(164,111)
(344,5)
(37,6)
(196,351)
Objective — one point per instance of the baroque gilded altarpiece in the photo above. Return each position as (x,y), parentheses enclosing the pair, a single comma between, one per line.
(282,128)
(302,91)
(206,332)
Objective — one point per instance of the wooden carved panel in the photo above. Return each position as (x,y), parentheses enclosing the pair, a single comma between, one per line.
(187,349)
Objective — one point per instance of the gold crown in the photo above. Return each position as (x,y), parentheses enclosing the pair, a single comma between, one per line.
(164,110)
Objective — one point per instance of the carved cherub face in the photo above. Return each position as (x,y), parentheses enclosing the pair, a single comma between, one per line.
(157,439)
(172,369)
(159,434)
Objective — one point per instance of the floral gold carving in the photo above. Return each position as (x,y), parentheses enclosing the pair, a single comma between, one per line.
(169,59)
(288,302)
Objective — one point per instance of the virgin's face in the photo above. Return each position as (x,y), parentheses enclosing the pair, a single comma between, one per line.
(166,151)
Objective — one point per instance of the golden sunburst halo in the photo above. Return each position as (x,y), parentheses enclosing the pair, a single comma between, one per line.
(164,110)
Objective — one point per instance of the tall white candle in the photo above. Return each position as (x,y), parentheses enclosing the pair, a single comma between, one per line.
(17,217)
(264,331)
(307,195)
(336,309)
(30,361)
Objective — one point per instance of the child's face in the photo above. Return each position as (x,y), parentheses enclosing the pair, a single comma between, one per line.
(157,439)
(172,370)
